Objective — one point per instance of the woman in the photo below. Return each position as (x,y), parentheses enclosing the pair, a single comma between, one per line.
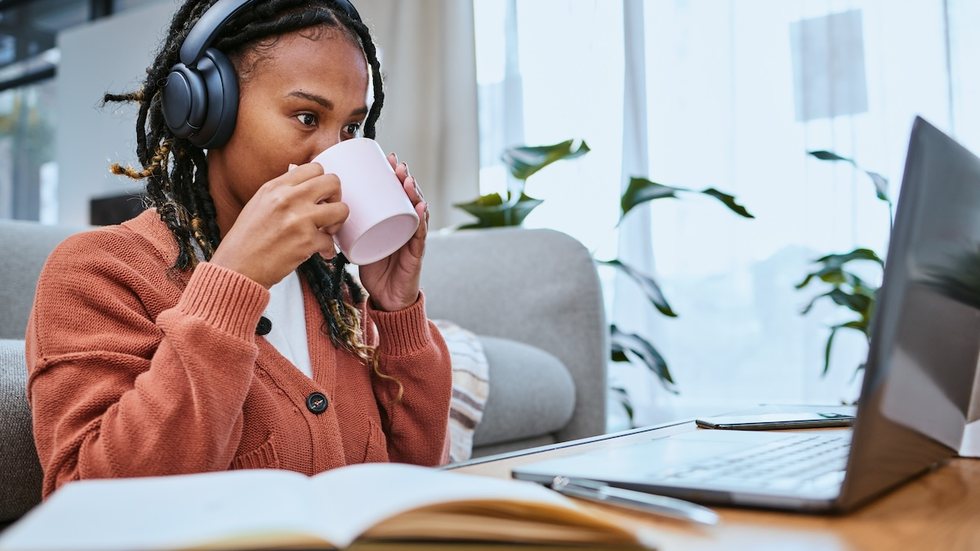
(142,347)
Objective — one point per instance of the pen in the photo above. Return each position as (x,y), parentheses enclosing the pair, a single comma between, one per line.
(600,492)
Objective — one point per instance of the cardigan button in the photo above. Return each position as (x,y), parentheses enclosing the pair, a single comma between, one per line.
(316,402)
(264,326)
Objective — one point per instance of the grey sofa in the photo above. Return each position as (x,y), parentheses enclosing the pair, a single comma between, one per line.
(532,296)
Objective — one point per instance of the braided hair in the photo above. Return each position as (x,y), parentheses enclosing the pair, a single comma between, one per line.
(176,171)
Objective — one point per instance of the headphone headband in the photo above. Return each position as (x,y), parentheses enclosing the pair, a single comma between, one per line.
(205,29)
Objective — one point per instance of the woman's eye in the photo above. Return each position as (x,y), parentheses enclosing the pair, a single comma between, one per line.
(306,119)
(352,129)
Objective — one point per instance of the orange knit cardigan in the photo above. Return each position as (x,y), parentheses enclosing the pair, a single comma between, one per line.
(135,371)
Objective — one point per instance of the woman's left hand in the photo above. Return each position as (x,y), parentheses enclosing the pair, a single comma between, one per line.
(393,282)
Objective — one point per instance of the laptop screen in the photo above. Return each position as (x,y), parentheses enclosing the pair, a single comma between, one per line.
(925,341)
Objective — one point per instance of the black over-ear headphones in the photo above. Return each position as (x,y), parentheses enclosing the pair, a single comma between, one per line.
(200,97)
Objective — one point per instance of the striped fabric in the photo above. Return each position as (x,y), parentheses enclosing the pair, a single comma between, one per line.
(470,387)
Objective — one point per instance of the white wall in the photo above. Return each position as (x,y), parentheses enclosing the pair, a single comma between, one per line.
(110,55)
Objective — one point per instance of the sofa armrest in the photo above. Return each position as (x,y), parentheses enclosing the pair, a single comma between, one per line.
(20,471)
(534,286)
(24,246)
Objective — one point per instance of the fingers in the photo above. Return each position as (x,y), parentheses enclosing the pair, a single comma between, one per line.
(416,245)
(299,174)
(409,183)
(323,244)
(329,217)
(324,188)
(413,190)
(401,170)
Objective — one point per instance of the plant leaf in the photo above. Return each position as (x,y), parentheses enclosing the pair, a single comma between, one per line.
(832,271)
(647,284)
(852,301)
(880,182)
(523,207)
(857,254)
(729,201)
(491,211)
(825,155)
(827,348)
(835,276)
(636,346)
(881,185)
(624,400)
(813,301)
(830,341)
(523,161)
(642,190)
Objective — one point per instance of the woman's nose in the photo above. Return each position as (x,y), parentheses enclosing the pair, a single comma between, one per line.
(328,140)
(321,147)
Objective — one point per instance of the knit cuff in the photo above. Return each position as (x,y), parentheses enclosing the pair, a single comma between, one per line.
(225,299)
(403,332)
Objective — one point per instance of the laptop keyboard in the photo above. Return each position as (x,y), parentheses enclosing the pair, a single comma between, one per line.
(799,461)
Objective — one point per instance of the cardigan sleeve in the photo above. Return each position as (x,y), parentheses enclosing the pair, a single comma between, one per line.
(412,351)
(115,393)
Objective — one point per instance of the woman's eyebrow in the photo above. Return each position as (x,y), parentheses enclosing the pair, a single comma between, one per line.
(327,104)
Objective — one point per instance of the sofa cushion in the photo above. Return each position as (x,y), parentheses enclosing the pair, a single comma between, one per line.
(24,246)
(20,471)
(531,393)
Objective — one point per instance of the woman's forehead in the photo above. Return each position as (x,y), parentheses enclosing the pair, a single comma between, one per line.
(322,54)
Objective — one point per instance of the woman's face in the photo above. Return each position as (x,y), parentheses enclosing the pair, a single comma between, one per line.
(299,95)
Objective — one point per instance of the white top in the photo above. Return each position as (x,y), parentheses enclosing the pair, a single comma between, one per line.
(288,317)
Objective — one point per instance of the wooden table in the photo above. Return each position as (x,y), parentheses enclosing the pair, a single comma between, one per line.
(940,510)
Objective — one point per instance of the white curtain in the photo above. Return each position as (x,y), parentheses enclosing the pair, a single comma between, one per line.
(430,113)
(964,42)
(737,94)
(731,95)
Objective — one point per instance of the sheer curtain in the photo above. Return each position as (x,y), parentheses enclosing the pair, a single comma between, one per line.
(429,119)
(732,95)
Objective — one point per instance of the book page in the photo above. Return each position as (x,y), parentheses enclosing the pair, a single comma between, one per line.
(359,496)
(167,512)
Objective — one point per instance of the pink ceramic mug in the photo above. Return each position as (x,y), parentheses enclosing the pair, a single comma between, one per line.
(382,218)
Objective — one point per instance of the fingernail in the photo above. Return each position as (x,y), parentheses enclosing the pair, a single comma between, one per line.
(292,166)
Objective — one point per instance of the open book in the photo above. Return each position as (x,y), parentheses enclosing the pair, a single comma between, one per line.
(259,509)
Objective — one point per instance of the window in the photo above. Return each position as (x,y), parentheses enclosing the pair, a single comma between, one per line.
(28,60)
(736,94)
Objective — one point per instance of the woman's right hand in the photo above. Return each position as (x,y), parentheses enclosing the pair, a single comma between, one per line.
(287,220)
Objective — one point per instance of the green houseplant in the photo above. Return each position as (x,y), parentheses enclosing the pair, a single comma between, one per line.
(632,347)
(495,210)
(846,288)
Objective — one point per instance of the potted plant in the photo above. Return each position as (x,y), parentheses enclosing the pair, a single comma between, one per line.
(495,210)
(846,287)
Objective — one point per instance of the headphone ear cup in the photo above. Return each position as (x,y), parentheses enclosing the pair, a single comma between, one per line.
(221,82)
(184,101)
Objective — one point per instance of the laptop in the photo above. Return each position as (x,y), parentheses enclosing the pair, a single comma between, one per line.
(919,374)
